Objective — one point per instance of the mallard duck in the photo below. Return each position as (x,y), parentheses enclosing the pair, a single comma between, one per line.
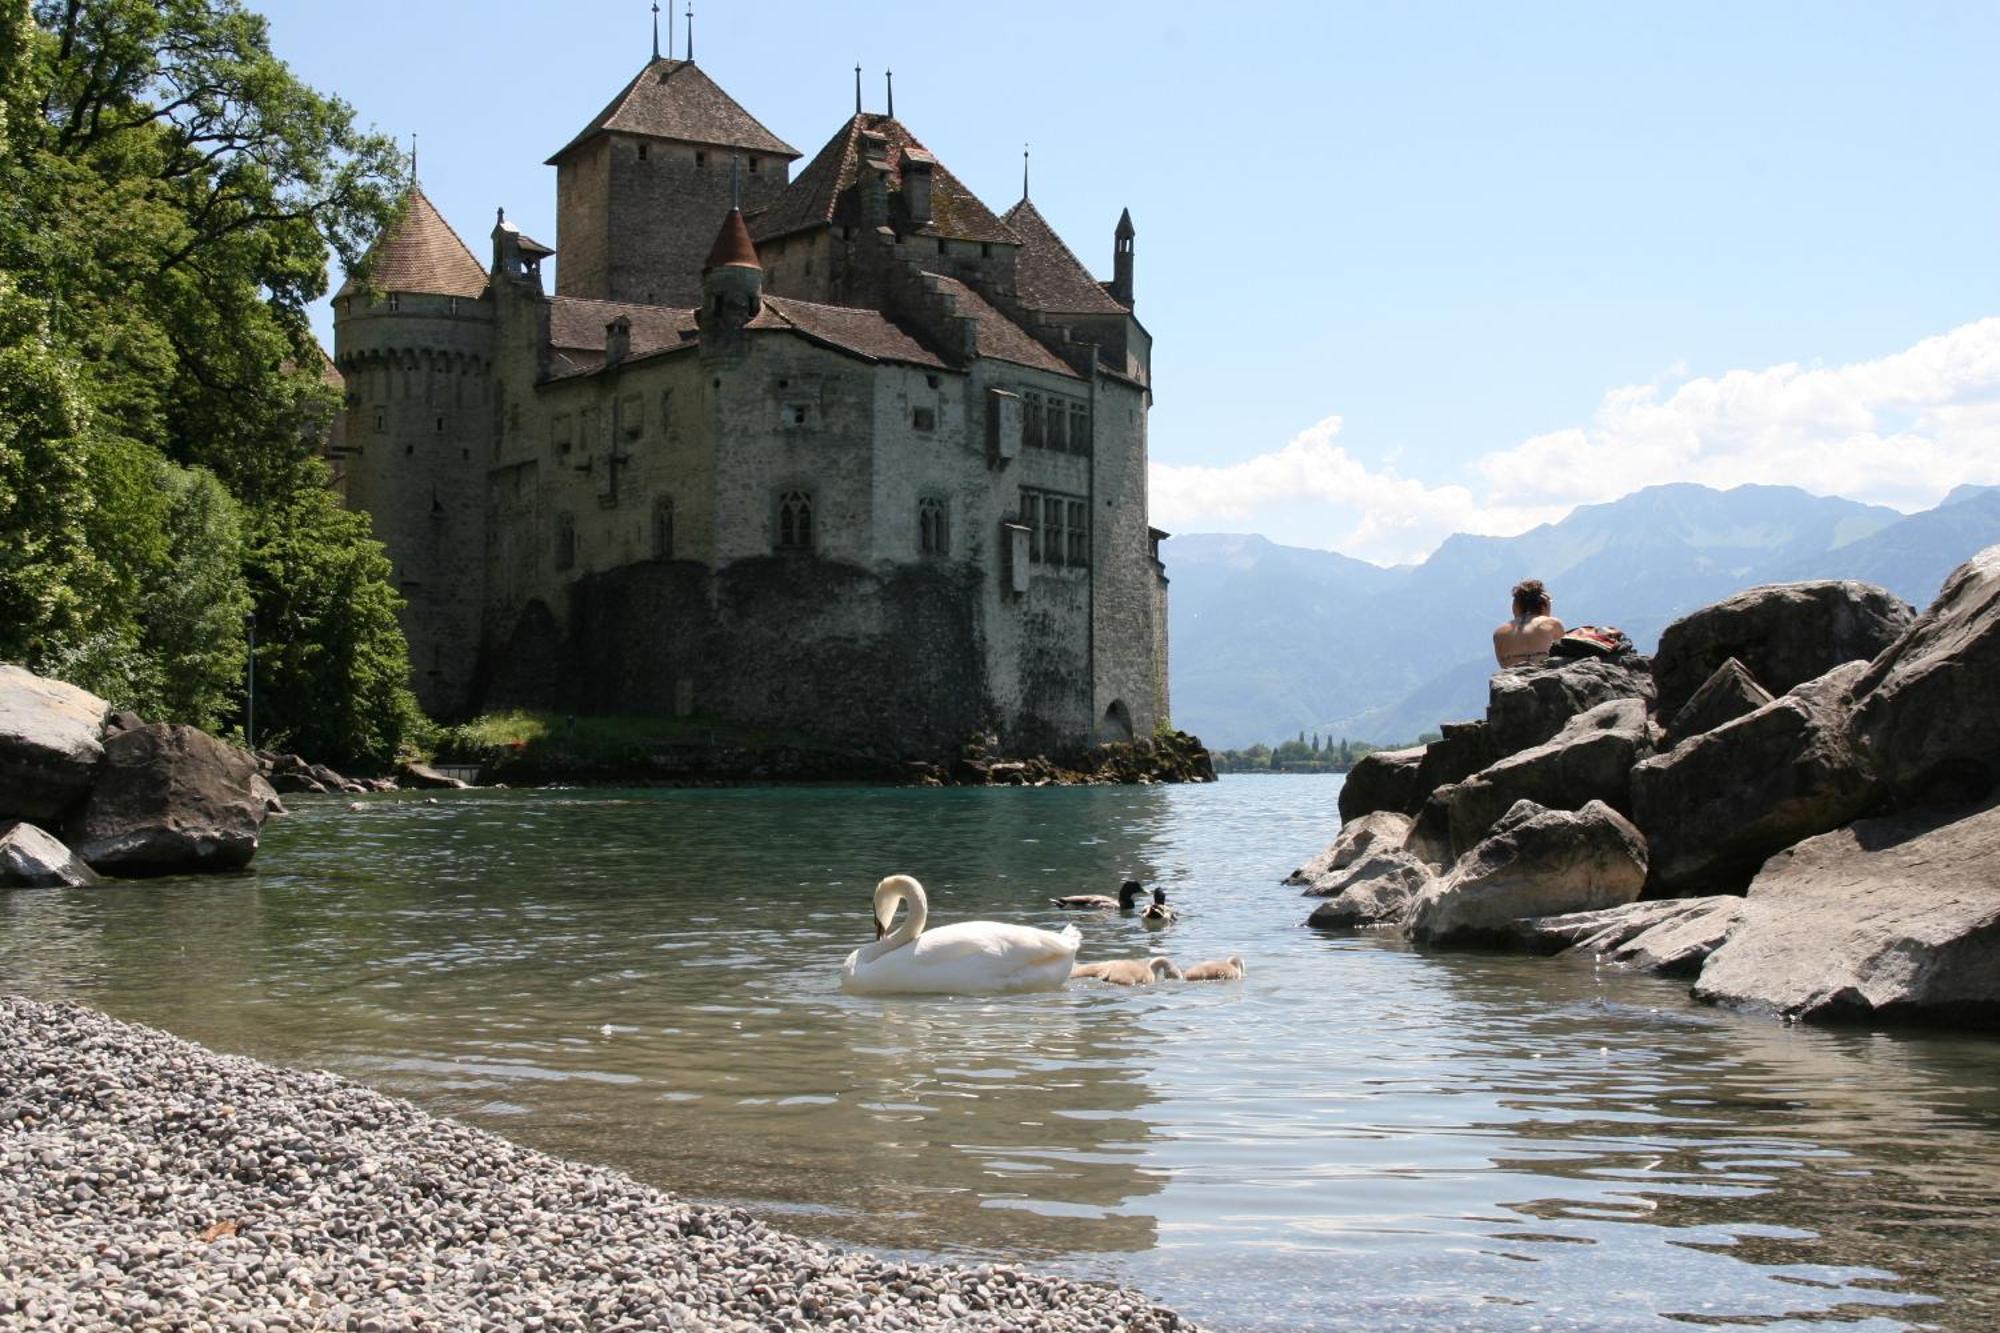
(1128,895)
(966,958)
(1157,912)
(1129,971)
(1228,969)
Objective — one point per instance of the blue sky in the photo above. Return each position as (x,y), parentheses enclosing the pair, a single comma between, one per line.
(1410,267)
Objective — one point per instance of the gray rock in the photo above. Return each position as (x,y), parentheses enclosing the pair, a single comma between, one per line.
(1358,837)
(1375,891)
(169,799)
(1382,780)
(262,790)
(1894,918)
(1671,937)
(1928,710)
(33,859)
(423,776)
(1429,839)
(1601,929)
(1590,759)
(1785,634)
(1730,692)
(1535,862)
(49,744)
(297,784)
(1463,748)
(1714,807)
(1528,705)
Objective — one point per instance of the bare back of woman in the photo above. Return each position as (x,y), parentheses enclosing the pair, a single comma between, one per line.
(1528,636)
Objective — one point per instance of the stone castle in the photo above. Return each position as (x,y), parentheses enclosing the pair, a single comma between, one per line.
(841,453)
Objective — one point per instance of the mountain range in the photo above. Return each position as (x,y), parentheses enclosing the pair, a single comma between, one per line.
(1268,640)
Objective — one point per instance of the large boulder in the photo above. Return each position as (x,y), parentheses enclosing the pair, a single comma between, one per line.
(1668,936)
(1729,692)
(1590,759)
(1382,780)
(1535,862)
(1894,918)
(1785,634)
(33,859)
(1927,712)
(1374,831)
(1462,749)
(1527,705)
(169,799)
(424,777)
(1375,891)
(49,744)
(1715,806)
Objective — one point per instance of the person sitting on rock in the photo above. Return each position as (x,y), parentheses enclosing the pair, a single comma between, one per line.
(1526,638)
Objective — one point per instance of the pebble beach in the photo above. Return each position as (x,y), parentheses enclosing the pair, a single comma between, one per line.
(148,1182)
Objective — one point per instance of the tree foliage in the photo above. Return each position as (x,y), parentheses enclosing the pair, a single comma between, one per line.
(169,196)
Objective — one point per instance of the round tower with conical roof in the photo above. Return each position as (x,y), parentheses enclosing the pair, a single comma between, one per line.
(413,338)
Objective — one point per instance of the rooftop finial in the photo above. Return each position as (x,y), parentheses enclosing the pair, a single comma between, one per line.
(656,29)
(736,181)
(1024,171)
(890,75)
(857,87)
(413,158)
(690,31)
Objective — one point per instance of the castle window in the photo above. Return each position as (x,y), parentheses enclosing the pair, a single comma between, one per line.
(1079,428)
(663,528)
(753,165)
(795,521)
(700,158)
(1058,528)
(451,307)
(565,541)
(932,535)
(380,418)
(1031,519)
(924,418)
(1057,429)
(642,152)
(666,405)
(1079,535)
(944,246)
(395,302)
(440,426)
(986,249)
(1031,420)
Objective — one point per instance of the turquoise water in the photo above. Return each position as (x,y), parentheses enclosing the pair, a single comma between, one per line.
(1358,1135)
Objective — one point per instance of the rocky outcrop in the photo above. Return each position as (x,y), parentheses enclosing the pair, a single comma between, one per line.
(262,790)
(1671,937)
(1383,780)
(169,799)
(1374,891)
(1528,705)
(1462,749)
(33,859)
(1892,919)
(1730,692)
(1785,634)
(1716,806)
(1927,712)
(49,744)
(1535,862)
(1375,831)
(1590,759)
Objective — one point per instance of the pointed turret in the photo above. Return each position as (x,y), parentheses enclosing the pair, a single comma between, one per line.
(1121,260)
(419,254)
(732,281)
(1048,276)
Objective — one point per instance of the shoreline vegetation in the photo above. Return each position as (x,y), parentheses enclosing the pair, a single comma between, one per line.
(1307,756)
(145,1180)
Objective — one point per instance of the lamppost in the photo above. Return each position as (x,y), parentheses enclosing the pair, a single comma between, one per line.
(250,694)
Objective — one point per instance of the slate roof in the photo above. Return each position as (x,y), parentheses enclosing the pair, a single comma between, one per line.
(866,333)
(1048,275)
(577,325)
(674,99)
(421,253)
(825,192)
(1000,337)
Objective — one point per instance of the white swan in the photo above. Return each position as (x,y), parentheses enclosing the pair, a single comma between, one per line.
(968,958)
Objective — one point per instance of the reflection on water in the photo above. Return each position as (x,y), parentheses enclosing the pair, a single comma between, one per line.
(1359,1135)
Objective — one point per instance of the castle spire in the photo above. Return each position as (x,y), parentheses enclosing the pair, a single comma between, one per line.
(413,159)
(656,29)
(1024,171)
(890,75)
(857,87)
(690,32)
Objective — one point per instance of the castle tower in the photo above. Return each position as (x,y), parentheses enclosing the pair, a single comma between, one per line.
(413,338)
(640,191)
(732,281)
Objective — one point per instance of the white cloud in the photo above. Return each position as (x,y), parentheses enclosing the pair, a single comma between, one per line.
(1900,430)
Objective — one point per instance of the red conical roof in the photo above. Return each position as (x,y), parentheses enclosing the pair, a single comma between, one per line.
(732,248)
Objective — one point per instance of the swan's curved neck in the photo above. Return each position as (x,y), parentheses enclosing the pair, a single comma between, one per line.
(886,901)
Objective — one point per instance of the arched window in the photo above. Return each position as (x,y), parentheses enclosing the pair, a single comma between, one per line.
(663,528)
(933,535)
(795,521)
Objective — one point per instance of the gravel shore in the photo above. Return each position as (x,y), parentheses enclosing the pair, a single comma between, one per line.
(148,1182)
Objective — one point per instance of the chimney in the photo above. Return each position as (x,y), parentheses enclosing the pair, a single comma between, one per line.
(617,340)
(917,166)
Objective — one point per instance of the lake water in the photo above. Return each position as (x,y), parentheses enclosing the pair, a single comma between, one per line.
(1359,1135)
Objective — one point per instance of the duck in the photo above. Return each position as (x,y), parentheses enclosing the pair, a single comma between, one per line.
(964,958)
(1129,971)
(1128,895)
(1157,912)
(1227,969)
